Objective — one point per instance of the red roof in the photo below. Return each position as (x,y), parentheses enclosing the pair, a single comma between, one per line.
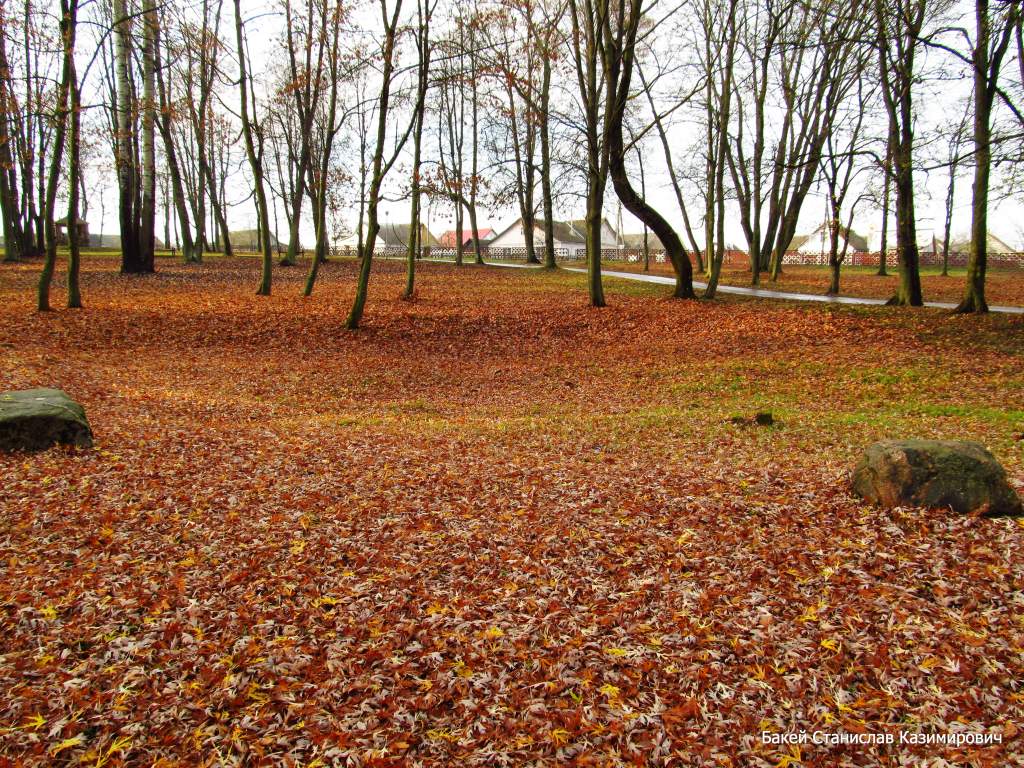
(451,237)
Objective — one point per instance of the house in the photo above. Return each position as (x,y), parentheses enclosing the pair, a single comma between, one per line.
(995,245)
(114,241)
(570,238)
(249,240)
(83,232)
(392,237)
(451,238)
(636,242)
(820,241)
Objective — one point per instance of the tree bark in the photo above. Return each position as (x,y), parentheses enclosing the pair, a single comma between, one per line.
(67,31)
(148,212)
(255,163)
(127,181)
(74,160)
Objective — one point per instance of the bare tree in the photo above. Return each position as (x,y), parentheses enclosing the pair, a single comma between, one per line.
(255,161)
(383,159)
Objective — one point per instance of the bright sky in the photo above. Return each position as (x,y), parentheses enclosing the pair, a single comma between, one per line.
(935,103)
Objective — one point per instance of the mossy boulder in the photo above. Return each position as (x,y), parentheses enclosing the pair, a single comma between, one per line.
(36,419)
(953,474)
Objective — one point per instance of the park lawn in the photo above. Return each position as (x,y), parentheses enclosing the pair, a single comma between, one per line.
(1004,286)
(495,526)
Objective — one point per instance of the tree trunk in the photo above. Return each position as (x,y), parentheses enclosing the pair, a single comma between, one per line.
(14,239)
(74,165)
(908,292)
(127,182)
(883,255)
(545,161)
(636,205)
(67,30)
(987,60)
(254,161)
(380,169)
(148,223)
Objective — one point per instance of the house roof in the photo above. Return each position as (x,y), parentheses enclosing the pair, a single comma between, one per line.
(856,242)
(401,234)
(249,238)
(451,237)
(114,241)
(995,245)
(573,231)
(636,240)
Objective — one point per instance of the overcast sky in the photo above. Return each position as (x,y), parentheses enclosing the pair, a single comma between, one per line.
(935,103)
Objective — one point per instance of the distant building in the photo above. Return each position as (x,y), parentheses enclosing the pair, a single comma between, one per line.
(451,238)
(392,237)
(83,232)
(636,242)
(249,240)
(570,238)
(820,242)
(114,242)
(963,245)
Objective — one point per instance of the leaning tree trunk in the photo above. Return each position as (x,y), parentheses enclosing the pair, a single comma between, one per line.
(636,205)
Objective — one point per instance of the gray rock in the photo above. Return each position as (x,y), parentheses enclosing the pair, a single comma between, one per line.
(957,474)
(35,419)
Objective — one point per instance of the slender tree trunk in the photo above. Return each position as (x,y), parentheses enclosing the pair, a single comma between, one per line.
(883,255)
(255,164)
(148,222)
(127,182)
(74,167)
(188,245)
(380,168)
(947,223)
(14,239)
(545,160)
(67,29)
(416,231)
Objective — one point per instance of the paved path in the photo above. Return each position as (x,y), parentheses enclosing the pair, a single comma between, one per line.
(757,293)
(763,293)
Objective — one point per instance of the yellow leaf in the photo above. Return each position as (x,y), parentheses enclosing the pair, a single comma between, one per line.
(48,612)
(830,645)
(793,757)
(560,737)
(74,741)
(617,652)
(120,744)
(609,690)
(35,722)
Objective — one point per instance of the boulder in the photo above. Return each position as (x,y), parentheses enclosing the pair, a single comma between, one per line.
(935,473)
(35,419)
